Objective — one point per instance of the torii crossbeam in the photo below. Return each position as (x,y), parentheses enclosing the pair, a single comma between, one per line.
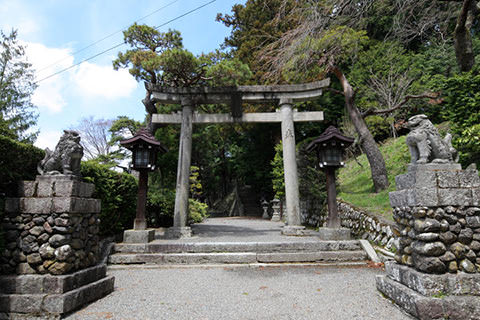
(283,95)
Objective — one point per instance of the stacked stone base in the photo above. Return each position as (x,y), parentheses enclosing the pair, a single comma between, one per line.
(50,296)
(427,296)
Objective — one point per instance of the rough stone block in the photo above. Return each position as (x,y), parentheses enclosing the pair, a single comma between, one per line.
(476,196)
(21,303)
(45,188)
(431,284)
(405,181)
(52,305)
(398,198)
(67,188)
(448,179)
(138,236)
(401,295)
(36,205)
(449,307)
(425,179)
(76,205)
(454,197)
(424,197)
(469,179)
(27,188)
(71,300)
(434,167)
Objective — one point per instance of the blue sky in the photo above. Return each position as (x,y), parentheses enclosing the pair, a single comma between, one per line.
(54,30)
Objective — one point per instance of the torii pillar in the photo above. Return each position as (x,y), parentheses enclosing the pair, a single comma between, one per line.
(283,95)
(180,215)
(292,195)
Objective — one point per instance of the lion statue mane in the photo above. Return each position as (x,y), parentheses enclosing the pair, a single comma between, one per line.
(66,157)
(425,143)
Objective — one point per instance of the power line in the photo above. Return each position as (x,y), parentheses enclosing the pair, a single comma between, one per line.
(121,44)
(108,36)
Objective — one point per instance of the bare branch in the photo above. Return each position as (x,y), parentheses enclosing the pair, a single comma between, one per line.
(402,103)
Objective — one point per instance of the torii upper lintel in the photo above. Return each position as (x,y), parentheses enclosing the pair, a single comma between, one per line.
(236,95)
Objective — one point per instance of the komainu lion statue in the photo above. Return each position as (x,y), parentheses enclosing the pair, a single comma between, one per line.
(426,144)
(66,157)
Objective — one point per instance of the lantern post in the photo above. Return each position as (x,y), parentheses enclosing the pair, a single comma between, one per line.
(329,147)
(144,149)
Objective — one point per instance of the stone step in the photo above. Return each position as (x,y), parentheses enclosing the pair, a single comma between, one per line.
(55,304)
(237,257)
(255,247)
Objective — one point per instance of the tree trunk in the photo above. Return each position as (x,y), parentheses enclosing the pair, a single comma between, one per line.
(374,156)
(463,39)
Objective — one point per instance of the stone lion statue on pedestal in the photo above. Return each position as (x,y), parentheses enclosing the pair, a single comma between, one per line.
(425,143)
(66,157)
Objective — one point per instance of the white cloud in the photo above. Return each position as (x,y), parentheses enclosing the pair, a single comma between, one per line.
(17,15)
(102,81)
(87,80)
(48,139)
(46,61)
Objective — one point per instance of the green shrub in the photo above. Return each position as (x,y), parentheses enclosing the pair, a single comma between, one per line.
(278,175)
(197,211)
(118,192)
(160,207)
(462,100)
(311,180)
(18,161)
(379,127)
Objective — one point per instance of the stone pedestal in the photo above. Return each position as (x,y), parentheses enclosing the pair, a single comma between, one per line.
(334,233)
(51,232)
(427,296)
(178,232)
(138,236)
(47,296)
(293,230)
(436,210)
(52,227)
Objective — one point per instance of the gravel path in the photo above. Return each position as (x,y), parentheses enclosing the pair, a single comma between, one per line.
(243,292)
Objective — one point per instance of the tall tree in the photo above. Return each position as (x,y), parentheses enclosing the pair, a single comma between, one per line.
(17,113)
(319,45)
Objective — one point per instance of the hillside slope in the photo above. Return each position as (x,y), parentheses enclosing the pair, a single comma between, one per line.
(355,184)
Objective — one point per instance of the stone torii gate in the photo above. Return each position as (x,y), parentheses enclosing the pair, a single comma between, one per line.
(188,98)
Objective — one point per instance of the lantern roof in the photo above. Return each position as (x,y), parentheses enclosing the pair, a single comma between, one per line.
(143,136)
(331,133)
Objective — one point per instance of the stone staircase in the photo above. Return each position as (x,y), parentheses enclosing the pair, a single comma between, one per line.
(308,251)
(250,201)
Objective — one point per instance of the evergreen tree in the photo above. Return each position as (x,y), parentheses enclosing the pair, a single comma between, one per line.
(17,113)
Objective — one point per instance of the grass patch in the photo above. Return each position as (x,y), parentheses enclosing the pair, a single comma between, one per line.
(355,183)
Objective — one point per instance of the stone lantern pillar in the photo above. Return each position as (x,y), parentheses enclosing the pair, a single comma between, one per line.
(329,147)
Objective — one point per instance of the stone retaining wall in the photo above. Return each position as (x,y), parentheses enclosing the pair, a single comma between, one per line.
(365,225)
(310,211)
(51,228)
